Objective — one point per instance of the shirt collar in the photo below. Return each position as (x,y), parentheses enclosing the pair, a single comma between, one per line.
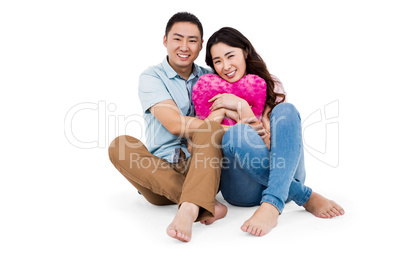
(171,73)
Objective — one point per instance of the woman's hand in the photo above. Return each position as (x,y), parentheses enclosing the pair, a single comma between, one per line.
(216,115)
(267,127)
(231,114)
(255,124)
(228,101)
(266,123)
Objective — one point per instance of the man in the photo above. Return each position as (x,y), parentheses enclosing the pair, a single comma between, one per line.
(163,171)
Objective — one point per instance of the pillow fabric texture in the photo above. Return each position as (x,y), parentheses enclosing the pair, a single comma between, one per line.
(251,88)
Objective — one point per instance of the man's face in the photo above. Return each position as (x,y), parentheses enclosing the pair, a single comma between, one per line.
(183,45)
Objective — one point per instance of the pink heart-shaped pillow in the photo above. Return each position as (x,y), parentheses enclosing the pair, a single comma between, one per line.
(251,87)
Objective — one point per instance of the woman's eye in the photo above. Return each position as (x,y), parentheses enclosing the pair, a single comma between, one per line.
(216,62)
(230,56)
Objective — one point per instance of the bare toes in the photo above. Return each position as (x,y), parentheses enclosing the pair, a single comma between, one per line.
(253,232)
(335,211)
(258,233)
(340,209)
(262,233)
(183,237)
(171,233)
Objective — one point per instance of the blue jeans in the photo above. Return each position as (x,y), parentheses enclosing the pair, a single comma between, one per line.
(252,174)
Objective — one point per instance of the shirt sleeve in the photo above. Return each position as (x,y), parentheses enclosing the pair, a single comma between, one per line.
(278,88)
(151,90)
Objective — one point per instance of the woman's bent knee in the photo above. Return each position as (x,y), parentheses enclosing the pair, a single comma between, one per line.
(284,109)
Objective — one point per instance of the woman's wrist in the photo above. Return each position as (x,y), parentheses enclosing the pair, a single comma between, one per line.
(244,109)
(216,115)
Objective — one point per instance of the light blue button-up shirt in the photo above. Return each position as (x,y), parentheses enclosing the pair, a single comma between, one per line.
(159,83)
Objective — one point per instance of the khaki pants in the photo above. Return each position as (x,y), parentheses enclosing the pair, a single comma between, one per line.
(195,180)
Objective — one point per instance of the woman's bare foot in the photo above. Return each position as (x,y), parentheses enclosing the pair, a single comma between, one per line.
(220,212)
(181,226)
(322,207)
(263,220)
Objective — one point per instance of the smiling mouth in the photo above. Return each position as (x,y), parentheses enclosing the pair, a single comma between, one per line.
(231,74)
(183,56)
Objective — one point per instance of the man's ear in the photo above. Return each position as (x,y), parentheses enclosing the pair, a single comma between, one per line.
(202,42)
(165,40)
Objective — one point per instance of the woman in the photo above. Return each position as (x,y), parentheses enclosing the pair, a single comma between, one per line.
(264,168)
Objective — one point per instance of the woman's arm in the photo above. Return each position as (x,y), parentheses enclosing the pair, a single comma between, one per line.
(219,114)
(216,116)
(239,110)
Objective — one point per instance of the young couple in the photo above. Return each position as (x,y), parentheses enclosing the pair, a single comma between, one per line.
(165,172)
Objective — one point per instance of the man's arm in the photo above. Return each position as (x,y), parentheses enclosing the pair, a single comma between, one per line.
(168,114)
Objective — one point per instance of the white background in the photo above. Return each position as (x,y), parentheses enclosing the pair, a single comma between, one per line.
(65,206)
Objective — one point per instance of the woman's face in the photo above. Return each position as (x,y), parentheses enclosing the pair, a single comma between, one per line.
(229,62)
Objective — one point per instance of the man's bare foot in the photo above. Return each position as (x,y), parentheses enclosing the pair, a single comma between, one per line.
(263,220)
(220,212)
(181,226)
(322,207)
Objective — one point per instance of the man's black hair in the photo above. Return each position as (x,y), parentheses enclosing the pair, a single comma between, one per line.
(184,17)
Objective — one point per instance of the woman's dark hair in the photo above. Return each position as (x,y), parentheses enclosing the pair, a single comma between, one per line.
(254,63)
(184,17)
